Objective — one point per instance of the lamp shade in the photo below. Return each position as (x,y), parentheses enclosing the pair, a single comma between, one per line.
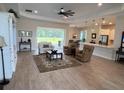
(2,42)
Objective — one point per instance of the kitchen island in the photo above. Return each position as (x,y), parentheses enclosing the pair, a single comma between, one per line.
(105,51)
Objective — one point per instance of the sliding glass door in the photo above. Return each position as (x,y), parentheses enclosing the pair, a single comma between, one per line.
(52,35)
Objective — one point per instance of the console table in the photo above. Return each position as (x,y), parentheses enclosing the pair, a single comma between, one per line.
(24,43)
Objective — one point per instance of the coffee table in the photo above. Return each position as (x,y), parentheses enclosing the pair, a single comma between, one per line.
(51,55)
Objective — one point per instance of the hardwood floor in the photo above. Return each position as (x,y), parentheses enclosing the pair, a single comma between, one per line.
(97,74)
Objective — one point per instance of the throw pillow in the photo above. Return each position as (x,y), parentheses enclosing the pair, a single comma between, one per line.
(45,46)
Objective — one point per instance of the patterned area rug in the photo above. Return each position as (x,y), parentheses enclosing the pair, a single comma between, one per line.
(44,65)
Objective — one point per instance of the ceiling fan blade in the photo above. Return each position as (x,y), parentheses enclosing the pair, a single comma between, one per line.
(66,13)
(72,12)
(69,11)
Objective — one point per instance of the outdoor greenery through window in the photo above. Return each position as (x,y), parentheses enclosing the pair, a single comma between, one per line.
(53,35)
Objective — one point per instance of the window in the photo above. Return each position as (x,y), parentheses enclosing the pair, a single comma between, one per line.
(53,35)
(83,36)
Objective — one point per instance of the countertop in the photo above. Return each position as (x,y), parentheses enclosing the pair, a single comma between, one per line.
(98,45)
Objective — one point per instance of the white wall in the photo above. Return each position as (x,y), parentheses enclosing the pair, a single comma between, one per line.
(119,28)
(72,31)
(31,25)
(2,7)
(107,53)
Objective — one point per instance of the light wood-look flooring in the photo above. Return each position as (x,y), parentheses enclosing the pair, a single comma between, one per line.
(97,74)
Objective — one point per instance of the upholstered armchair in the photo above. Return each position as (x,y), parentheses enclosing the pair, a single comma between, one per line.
(70,49)
(67,50)
(85,54)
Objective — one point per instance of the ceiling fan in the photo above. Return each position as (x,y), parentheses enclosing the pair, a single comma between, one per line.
(66,13)
(13,11)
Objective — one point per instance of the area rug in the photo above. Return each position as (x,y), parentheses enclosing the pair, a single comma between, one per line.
(45,65)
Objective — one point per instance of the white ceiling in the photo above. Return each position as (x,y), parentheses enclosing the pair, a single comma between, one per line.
(83,11)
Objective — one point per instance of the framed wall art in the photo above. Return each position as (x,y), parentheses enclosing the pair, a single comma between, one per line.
(22,33)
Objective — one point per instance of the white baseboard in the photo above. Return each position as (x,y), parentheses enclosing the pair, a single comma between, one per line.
(106,57)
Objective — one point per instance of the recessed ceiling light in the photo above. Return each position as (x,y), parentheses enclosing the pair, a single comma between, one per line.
(99,4)
(96,24)
(110,23)
(35,11)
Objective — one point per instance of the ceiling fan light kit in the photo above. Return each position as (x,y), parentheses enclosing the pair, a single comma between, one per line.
(62,10)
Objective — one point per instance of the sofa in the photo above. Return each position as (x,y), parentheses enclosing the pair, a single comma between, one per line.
(45,46)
